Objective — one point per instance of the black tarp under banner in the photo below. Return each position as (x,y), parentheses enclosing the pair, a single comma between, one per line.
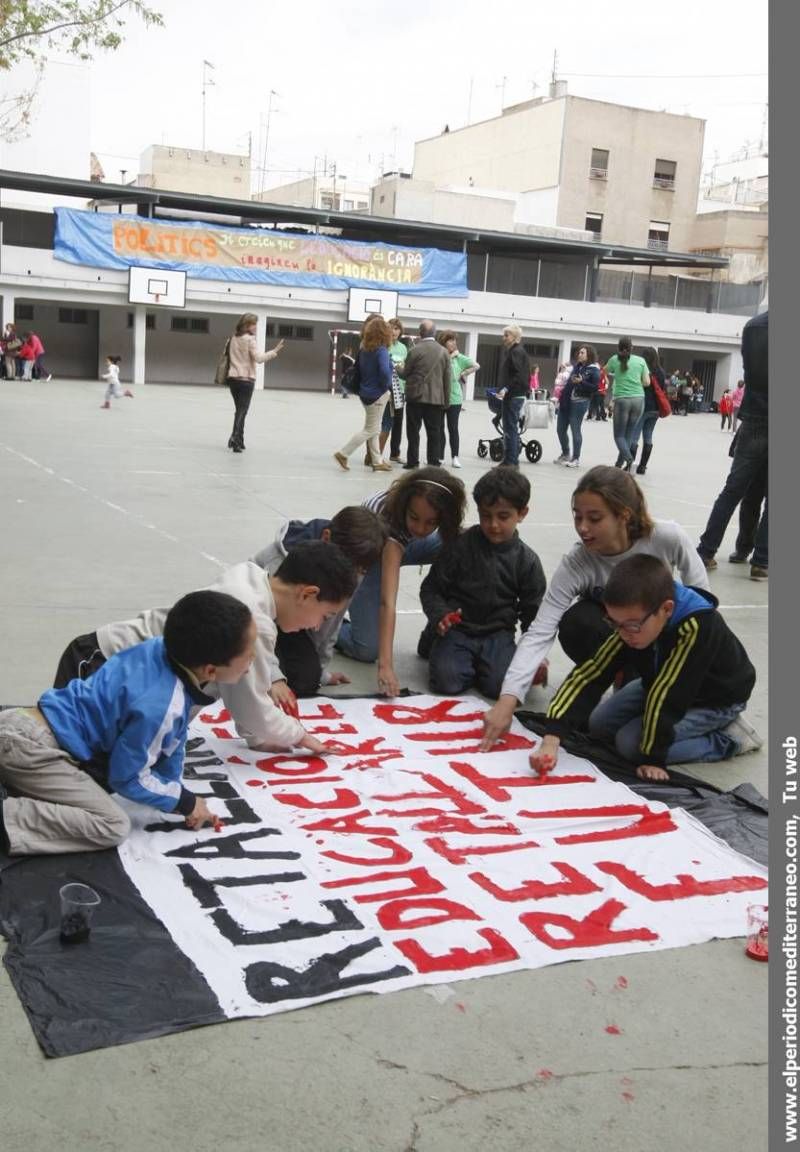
(131,982)
(128,982)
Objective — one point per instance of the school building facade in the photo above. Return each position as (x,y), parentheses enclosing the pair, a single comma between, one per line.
(561,291)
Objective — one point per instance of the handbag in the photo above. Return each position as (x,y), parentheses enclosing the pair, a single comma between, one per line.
(351,379)
(13,346)
(398,395)
(223,369)
(662,400)
(536,414)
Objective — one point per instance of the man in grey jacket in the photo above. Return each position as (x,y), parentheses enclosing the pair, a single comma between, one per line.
(426,372)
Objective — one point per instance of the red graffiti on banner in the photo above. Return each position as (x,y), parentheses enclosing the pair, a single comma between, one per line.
(397,914)
(421,884)
(447,823)
(459,959)
(326,712)
(685,886)
(648,823)
(593,931)
(497,787)
(397,854)
(574,883)
(440,713)
(221,717)
(439,791)
(342,798)
(510,742)
(307,765)
(461,855)
(351,824)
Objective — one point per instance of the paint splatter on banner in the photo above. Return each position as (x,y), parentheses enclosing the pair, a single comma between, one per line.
(413,859)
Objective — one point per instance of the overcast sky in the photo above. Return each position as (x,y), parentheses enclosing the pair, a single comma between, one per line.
(359,82)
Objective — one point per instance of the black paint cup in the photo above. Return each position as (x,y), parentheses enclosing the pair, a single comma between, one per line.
(78,902)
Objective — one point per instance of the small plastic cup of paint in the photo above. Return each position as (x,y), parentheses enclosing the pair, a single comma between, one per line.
(757,947)
(78,902)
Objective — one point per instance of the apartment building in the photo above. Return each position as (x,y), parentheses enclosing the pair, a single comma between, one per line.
(334,192)
(627,175)
(224,174)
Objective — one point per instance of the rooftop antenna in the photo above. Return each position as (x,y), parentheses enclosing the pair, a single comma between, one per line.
(502,87)
(208,82)
(272,93)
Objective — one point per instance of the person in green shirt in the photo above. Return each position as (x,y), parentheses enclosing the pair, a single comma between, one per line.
(461,366)
(630,377)
(393,416)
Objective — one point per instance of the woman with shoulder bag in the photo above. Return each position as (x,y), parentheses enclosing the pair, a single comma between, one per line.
(375,376)
(243,355)
(654,407)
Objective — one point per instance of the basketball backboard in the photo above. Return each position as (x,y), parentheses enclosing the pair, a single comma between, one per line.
(363,301)
(156,286)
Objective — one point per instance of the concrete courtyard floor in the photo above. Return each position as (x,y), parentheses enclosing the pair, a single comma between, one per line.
(106,512)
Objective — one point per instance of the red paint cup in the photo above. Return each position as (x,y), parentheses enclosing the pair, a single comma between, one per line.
(757,947)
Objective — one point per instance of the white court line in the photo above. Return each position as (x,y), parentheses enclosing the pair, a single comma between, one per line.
(135,516)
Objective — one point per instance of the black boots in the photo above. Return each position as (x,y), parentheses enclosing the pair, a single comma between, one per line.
(646,450)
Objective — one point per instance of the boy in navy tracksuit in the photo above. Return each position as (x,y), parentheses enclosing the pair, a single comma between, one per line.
(133,713)
(479,588)
(695,678)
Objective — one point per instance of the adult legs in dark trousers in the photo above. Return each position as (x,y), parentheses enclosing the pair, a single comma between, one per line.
(431,416)
(242,393)
(749,467)
(512,407)
(397,435)
(413,425)
(452,415)
(433,419)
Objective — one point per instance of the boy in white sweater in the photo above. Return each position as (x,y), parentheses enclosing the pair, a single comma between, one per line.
(313,584)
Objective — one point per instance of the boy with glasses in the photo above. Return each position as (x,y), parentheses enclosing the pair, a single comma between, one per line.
(694,678)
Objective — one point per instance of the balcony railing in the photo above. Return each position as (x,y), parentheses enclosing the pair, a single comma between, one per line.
(598,173)
(666,182)
(660,243)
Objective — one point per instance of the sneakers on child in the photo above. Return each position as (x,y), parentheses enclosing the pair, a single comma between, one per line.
(128,393)
(572,463)
(456,462)
(757,572)
(744,734)
(341,460)
(708,562)
(738,558)
(562,459)
(106,404)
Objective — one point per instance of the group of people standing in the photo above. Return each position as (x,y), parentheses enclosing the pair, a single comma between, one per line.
(425,382)
(635,381)
(22,355)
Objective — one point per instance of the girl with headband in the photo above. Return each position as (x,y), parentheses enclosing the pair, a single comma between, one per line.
(422,511)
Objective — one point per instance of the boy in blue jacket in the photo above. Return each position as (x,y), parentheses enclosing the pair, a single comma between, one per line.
(134,712)
(695,678)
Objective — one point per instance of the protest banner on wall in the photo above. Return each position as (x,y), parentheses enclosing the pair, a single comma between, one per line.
(256,255)
(411,858)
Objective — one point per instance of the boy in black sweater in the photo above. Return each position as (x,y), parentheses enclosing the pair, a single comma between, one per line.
(479,588)
(695,678)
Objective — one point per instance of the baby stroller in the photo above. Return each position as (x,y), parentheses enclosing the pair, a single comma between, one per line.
(535,414)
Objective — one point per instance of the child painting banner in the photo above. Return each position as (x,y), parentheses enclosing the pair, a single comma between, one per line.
(410,858)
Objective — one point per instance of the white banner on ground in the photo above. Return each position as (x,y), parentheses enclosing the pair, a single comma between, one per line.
(414,859)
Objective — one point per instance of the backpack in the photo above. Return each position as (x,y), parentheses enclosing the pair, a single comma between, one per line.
(223,364)
(351,379)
